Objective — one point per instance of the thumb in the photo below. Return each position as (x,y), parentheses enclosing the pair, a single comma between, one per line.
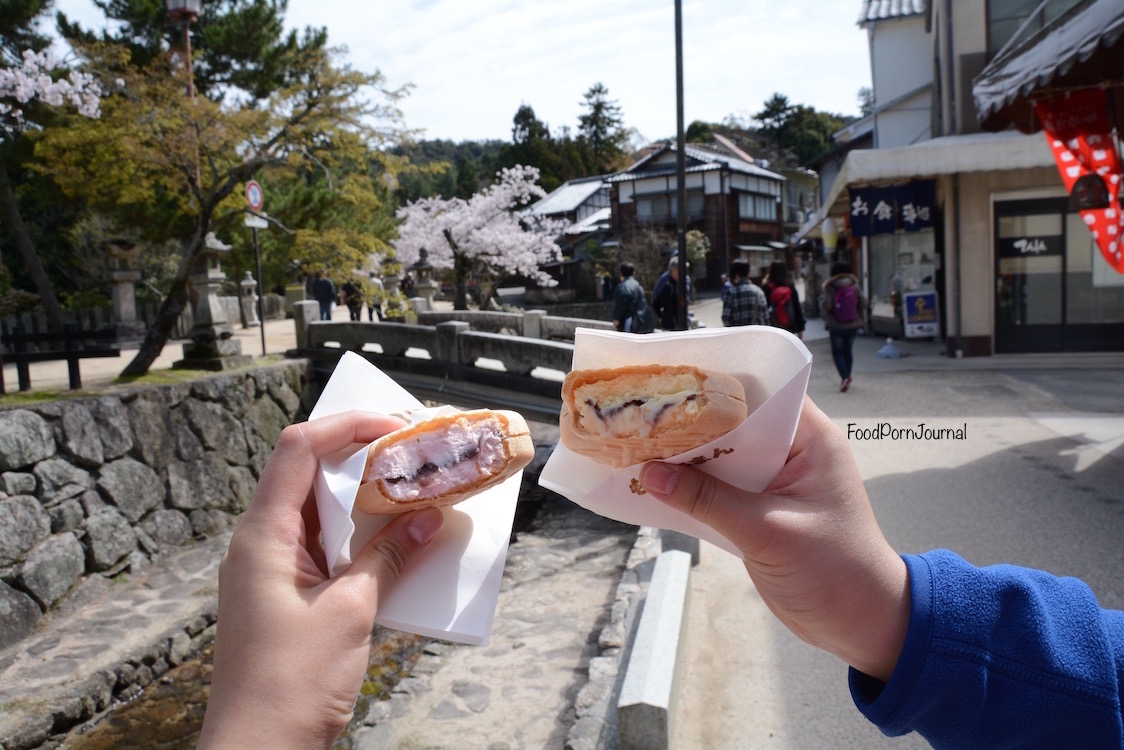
(723,508)
(383,559)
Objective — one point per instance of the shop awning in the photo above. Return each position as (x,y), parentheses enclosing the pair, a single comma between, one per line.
(1083,47)
(954,154)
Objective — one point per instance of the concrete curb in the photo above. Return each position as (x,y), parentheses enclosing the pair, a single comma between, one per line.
(596,721)
(645,709)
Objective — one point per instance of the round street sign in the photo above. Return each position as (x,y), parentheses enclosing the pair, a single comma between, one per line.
(254,195)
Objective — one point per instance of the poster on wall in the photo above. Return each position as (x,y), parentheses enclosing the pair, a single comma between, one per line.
(920,318)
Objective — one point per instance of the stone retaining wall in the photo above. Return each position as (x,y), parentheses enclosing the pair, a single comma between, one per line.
(103,485)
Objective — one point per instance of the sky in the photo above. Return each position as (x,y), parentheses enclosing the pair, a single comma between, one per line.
(472,63)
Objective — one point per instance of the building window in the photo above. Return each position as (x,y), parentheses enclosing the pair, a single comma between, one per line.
(757,207)
(1005,17)
(664,208)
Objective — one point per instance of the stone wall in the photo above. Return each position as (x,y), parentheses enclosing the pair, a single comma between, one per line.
(103,485)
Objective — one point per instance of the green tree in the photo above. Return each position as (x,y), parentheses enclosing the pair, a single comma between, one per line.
(167,166)
(19,32)
(698,132)
(601,126)
(468,182)
(798,128)
(237,45)
(774,117)
(866,101)
(532,145)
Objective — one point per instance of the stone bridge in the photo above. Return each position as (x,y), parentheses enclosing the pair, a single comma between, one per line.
(512,360)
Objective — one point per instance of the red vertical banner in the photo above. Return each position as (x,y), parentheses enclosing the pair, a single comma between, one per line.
(1080,136)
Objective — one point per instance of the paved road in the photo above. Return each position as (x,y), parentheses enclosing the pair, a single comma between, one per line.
(1036,482)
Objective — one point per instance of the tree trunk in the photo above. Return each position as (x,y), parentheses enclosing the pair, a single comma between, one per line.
(14,222)
(166,318)
(460,281)
(460,274)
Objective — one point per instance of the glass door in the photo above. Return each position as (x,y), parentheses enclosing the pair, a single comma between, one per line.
(1029,292)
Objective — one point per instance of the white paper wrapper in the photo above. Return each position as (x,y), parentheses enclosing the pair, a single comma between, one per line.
(450,592)
(772,365)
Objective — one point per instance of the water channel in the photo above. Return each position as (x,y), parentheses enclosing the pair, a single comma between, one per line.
(168,714)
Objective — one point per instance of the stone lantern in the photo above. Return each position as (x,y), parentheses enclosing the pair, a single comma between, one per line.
(249,301)
(423,277)
(211,346)
(123,277)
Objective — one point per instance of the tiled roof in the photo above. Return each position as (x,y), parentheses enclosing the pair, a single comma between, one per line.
(879,10)
(699,160)
(567,197)
(592,223)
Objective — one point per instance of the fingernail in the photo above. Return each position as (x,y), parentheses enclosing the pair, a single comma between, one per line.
(425,524)
(659,478)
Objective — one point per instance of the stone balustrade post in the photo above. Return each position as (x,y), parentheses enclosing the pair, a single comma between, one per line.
(532,323)
(304,312)
(448,348)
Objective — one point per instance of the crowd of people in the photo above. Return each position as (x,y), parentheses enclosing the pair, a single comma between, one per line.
(355,294)
(774,300)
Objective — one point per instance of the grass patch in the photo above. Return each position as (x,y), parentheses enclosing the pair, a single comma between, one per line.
(158,377)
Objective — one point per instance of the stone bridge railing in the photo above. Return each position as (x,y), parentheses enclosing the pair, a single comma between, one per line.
(520,353)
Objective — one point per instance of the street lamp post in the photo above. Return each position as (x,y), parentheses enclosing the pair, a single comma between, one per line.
(186,12)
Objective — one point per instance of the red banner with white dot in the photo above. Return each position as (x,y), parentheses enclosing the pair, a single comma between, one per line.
(1079,133)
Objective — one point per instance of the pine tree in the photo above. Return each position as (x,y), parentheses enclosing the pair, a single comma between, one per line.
(602,129)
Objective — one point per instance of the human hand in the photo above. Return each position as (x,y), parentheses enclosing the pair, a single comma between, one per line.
(293,645)
(811,544)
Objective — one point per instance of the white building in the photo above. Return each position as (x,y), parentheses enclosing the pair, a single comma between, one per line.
(994,192)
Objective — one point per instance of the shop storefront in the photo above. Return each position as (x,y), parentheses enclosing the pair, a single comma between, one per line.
(1054,291)
(895,224)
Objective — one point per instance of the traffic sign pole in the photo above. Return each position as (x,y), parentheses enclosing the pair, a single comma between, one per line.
(257,268)
(255,198)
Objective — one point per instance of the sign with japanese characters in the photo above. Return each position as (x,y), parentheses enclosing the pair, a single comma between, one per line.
(884,210)
(1030,247)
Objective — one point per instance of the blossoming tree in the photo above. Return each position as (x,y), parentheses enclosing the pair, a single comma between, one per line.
(488,227)
(31,83)
(32,80)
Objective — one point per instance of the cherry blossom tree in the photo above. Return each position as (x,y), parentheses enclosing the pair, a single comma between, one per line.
(22,84)
(487,228)
(32,80)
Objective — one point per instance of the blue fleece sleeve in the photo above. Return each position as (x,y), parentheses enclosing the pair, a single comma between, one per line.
(1001,657)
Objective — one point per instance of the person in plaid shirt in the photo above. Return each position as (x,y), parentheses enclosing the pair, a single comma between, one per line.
(743,302)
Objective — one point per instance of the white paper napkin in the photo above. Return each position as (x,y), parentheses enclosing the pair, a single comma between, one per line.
(772,365)
(450,592)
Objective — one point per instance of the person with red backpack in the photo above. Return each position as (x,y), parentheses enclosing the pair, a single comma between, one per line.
(843,305)
(785,310)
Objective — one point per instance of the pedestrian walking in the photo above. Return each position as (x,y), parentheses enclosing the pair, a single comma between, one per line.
(785,310)
(631,312)
(407,285)
(607,287)
(665,296)
(843,305)
(353,298)
(374,299)
(743,302)
(325,293)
